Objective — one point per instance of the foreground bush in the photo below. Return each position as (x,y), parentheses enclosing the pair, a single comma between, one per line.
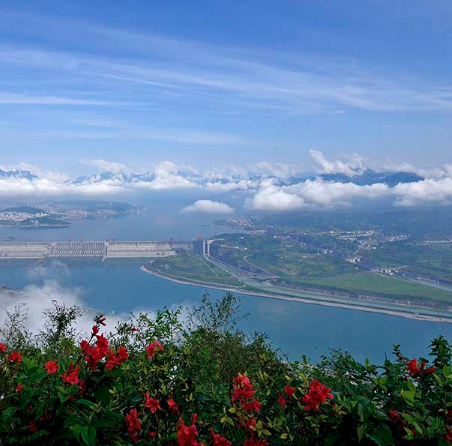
(206,383)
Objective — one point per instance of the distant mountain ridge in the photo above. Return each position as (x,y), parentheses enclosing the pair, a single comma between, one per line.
(17,174)
(366,178)
(369,177)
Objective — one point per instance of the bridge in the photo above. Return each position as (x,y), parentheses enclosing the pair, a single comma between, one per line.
(101,250)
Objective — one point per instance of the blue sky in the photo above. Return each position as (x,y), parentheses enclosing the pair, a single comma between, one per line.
(224,82)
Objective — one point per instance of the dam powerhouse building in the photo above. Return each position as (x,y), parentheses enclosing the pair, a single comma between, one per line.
(101,250)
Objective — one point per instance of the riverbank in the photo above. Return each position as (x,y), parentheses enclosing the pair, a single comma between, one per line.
(390,309)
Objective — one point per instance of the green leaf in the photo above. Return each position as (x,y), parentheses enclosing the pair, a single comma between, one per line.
(76,428)
(360,413)
(408,396)
(438,379)
(85,435)
(86,403)
(92,435)
(418,429)
(407,417)
(37,376)
(8,413)
(361,430)
(382,436)
(63,397)
(411,386)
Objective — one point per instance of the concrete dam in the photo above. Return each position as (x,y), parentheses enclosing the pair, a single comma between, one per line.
(101,250)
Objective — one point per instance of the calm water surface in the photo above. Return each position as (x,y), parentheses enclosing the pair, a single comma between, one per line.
(120,286)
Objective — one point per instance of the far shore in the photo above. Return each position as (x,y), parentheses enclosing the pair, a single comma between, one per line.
(321,300)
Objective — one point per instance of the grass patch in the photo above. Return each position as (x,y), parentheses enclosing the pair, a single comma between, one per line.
(187,266)
(379,285)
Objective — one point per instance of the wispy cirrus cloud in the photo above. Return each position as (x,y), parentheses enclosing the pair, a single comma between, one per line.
(31,99)
(171,135)
(246,77)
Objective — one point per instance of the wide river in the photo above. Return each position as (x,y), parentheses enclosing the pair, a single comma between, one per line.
(120,286)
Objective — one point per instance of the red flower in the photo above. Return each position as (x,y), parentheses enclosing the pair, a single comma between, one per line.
(186,434)
(116,359)
(151,434)
(33,427)
(71,376)
(151,348)
(133,425)
(255,442)
(448,434)
(218,440)
(252,406)
(412,367)
(2,348)
(414,370)
(82,385)
(122,354)
(394,415)
(244,394)
(102,345)
(151,403)
(111,360)
(250,424)
(95,330)
(289,391)
(173,406)
(317,394)
(94,354)
(14,357)
(51,367)
(19,387)
(281,401)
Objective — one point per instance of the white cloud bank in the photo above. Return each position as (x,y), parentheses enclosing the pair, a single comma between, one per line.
(347,168)
(209,207)
(264,186)
(323,194)
(312,194)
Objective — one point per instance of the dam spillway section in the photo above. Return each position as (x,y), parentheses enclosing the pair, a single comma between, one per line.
(92,249)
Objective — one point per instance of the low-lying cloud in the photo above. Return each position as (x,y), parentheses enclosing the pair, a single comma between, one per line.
(34,300)
(209,207)
(263,186)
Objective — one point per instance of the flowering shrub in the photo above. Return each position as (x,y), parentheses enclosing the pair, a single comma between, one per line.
(157,382)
